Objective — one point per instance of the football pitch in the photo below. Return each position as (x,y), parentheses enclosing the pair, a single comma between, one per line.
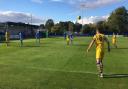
(54,65)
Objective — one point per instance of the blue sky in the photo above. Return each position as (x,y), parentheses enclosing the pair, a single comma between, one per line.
(58,10)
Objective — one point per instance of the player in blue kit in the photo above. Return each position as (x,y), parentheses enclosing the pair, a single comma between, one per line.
(21,38)
(37,36)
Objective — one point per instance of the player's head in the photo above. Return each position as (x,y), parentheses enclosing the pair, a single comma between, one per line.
(113,33)
(99,30)
(38,30)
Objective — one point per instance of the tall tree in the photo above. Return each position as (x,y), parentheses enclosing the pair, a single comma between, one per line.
(71,26)
(118,20)
(49,24)
(57,29)
(78,27)
(42,26)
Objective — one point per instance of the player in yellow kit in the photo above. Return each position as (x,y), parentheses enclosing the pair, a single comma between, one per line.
(7,37)
(99,40)
(114,40)
(67,39)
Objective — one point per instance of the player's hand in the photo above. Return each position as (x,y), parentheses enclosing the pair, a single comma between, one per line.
(87,51)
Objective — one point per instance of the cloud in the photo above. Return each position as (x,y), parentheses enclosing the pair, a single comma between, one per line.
(57,0)
(89,3)
(93,19)
(37,1)
(19,17)
(98,3)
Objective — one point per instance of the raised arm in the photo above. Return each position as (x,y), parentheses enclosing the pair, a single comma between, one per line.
(90,45)
(107,41)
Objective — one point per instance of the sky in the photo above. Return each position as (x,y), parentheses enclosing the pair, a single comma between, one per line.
(58,10)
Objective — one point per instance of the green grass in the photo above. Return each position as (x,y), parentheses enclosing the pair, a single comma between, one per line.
(54,65)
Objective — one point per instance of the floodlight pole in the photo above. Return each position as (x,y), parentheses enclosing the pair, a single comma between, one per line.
(82,10)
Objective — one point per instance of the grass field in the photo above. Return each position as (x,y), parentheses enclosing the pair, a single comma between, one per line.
(54,65)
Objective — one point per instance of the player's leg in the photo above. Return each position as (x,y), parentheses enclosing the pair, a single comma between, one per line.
(99,57)
(71,41)
(36,41)
(115,45)
(7,42)
(101,68)
(101,62)
(67,42)
(98,63)
(21,43)
(39,41)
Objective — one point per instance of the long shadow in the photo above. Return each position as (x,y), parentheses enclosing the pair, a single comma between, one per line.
(116,76)
(120,48)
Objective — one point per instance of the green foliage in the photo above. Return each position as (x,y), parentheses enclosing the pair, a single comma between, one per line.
(77,27)
(42,26)
(71,26)
(56,29)
(88,28)
(49,24)
(118,20)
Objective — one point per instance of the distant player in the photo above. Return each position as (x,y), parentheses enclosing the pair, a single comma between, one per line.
(64,35)
(114,40)
(99,40)
(37,36)
(71,39)
(68,39)
(7,38)
(21,38)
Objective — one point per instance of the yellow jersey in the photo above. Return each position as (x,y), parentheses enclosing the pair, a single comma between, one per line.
(7,36)
(67,38)
(99,41)
(114,39)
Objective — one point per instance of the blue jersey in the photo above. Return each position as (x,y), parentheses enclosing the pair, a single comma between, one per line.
(71,37)
(65,35)
(21,36)
(37,35)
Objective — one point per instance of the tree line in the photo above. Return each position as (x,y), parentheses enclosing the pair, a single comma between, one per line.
(117,22)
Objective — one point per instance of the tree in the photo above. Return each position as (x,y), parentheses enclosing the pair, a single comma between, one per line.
(118,20)
(77,27)
(86,29)
(63,26)
(56,29)
(42,26)
(101,25)
(71,26)
(49,24)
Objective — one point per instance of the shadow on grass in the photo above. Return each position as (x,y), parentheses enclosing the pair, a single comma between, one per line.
(116,76)
(120,48)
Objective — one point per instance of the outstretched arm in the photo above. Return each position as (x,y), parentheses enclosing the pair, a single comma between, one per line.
(107,41)
(90,45)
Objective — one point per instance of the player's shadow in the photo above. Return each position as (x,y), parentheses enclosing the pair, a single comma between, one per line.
(116,76)
(120,48)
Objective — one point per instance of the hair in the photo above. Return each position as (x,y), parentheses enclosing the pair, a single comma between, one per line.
(99,30)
